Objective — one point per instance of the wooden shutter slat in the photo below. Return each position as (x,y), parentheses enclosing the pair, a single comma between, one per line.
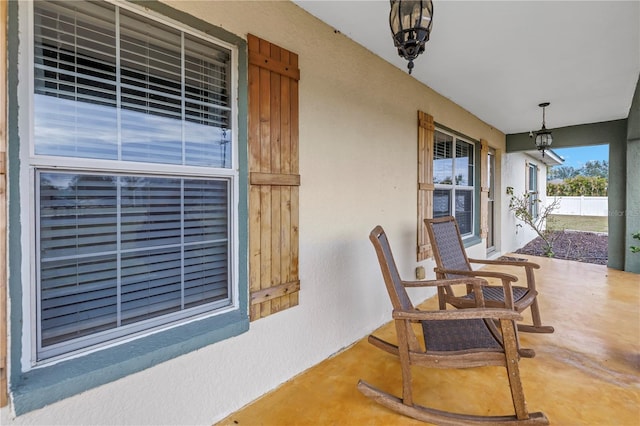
(273,293)
(426,128)
(273,177)
(273,65)
(280,179)
(425,186)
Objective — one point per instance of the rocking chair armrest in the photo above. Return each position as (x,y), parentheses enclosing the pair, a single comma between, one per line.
(446,282)
(469,313)
(484,274)
(525,264)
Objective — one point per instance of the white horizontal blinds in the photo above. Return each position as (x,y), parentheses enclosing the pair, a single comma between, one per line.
(151,90)
(441,202)
(150,212)
(531,183)
(170,237)
(151,247)
(442,158)
(172,88)
(75,79)
(206,237)
(207,104)
(464,163)
(78,261)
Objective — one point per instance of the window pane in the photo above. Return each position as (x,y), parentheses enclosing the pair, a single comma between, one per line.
(442,159)
(464,163)
(75,80)
(533,178)
(205,211)
(172,88)
(464,211)
(151,283)
(206,275)
(441,203)
(208,107)
(78,278)
(116,250)
(151,85)
(150,212)
(78,297)
(533,190)
(78,214)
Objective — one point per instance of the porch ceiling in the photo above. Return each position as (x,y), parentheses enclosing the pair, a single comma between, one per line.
(500,59)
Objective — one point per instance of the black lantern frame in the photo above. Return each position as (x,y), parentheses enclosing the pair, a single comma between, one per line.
(410,22)
(543,136)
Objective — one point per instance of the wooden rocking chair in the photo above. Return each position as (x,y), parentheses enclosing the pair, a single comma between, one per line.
(453,339)
(452,262)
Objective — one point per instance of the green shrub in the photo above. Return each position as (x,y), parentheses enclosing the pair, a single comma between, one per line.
(588,186)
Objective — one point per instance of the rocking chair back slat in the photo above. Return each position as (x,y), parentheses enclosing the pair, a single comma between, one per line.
(450,249)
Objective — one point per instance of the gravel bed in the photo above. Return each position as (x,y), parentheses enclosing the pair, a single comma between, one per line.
(588,247)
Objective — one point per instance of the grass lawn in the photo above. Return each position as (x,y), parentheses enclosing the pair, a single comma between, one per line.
(578,223)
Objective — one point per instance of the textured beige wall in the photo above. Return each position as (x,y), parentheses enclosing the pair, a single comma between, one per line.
(358,147)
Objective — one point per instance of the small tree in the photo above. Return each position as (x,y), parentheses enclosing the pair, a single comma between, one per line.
(521,207)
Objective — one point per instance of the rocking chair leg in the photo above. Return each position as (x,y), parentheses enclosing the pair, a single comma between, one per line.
(513,370)
(533,329)
(537,326)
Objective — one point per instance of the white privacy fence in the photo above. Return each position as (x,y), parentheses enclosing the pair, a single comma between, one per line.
(582,206)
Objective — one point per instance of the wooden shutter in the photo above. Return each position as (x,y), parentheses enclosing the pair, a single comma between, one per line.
(425,182)
(484,188)
(273,178)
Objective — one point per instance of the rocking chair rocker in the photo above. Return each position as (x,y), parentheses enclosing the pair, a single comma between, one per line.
(453,339)
(452,262)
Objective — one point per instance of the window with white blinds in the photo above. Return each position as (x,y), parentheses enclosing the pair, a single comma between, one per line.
(532,189)
(134,227)
(453,178)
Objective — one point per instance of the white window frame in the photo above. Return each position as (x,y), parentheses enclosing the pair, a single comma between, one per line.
(533,189)
(453,186)
(30,162)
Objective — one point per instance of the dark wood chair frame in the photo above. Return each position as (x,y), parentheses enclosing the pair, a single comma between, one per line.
(523,298)
(411,352)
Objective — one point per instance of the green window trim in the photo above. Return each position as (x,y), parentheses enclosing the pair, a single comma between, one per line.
(49,383)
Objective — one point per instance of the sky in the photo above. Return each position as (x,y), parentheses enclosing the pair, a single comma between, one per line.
(577,157)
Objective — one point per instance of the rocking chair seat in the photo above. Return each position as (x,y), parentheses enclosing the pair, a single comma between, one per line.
(458,335)
(496,294)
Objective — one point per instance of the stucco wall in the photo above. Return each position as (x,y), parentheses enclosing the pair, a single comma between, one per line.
(513,233)
(358,136)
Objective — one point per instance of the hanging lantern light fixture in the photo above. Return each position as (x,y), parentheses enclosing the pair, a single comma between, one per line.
(410,22)
(543,136)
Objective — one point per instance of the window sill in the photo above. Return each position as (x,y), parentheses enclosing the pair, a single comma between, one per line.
(471,241)
(45,385)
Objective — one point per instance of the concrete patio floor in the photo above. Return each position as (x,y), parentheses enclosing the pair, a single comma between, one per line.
(586,373)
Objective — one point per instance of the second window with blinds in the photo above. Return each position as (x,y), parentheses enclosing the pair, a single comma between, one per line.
(453,179)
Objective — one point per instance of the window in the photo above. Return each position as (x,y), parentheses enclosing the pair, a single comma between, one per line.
(135,176)
(453,179)
(532,189)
